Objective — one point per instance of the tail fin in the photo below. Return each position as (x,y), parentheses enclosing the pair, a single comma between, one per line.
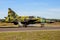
(11,13)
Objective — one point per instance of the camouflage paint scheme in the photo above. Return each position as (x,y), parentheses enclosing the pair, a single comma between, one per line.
(12,17)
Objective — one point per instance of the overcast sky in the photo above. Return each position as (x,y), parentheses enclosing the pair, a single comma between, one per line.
(42,8)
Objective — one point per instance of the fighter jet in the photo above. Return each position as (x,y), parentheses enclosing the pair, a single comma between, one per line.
(12,17)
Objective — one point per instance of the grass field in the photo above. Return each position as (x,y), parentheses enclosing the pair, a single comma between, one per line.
(7,25)
(32,35)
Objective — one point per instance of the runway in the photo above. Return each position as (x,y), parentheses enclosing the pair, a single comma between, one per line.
(28,28)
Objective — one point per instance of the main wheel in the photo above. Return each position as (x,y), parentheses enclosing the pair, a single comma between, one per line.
(15,23)
(42,25)
(24,25)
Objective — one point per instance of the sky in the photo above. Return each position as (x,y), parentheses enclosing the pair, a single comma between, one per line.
(41,8)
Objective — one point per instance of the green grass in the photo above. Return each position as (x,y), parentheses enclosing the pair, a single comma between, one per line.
(32,35)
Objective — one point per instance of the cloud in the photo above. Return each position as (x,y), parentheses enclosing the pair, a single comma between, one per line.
(48,13)
(54,9)
(2,14)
